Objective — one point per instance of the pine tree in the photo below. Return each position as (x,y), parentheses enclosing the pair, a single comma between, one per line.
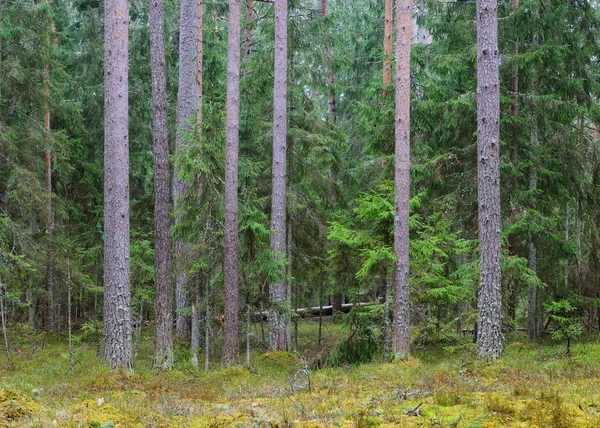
(117,320)
(186,111)
(400,328)
(278,314)
(163,329)
(489,325)
(232,123)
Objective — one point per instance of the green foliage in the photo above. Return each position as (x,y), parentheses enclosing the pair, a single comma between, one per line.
(568,327)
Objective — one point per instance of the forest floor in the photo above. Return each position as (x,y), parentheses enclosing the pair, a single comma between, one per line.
(442,385)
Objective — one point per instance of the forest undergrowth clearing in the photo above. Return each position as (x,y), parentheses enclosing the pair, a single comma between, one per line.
(534,385)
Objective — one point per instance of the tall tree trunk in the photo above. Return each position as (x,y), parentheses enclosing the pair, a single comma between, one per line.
(200,68)
(400,326)
(387,44)
(49,222)
(230,287)
(512,238)
(186,110)
(117,320)
(330,76)
(250,19)
(278,314)
(533,315)
(489,338)
(196,323)
(163,329)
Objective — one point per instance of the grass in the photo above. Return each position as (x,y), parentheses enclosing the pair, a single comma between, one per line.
(534,385)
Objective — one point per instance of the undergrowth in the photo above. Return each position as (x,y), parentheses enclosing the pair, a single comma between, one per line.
(534,385)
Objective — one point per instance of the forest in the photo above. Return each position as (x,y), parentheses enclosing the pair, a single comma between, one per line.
(300,213)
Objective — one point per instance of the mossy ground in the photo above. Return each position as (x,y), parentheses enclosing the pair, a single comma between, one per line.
(534,385)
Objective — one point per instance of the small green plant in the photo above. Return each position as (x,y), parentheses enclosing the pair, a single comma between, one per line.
(567,325)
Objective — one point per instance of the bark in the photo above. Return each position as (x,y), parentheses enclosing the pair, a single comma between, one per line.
(400,325)
(196,323)
(533,315)
(566,266)
(489,338)
(117,320)
(163,329)
(250,19)
(387,43)
(186,110)
(278,314)
(199,58)
(331,111)
(512,239)
(49,222)
(3,318)
(230,287)
(207,321)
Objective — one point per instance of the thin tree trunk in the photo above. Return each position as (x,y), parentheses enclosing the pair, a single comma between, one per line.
(199,59)
(196,334)
(250,19)
(400,327)
(489,338)
(196,324)
(331,111)
(533,314)
(163,328)
(321,314)
(186,109)
(248,327)
(230,286)
(387,338)
(566,267)
(278,314)
(49,221)
(387,44)
(117,319)
(3,317)
(207,321)
(69,321)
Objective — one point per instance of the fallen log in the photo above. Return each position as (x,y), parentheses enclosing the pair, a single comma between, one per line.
(314,311)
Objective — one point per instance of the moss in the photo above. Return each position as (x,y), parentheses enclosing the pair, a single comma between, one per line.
(15,406)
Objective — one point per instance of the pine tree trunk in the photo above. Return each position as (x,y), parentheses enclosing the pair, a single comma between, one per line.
(331,111)
(489,338)
(49,223)
(186,110)
(117,320)
(533,314)
(200,68)
(250,19)
(387,43)
(230,287)
(278,313)
(401,321)
(196,323)
(163,329)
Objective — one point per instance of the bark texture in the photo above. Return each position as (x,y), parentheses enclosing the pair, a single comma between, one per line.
(533,314)
(387,42)
(331,110)
(49,216)
(163,328)
(250,19)
(199,58)
(117,319)
(232,123)
(279,323)
(400,326)
(186,110)
(489,338)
